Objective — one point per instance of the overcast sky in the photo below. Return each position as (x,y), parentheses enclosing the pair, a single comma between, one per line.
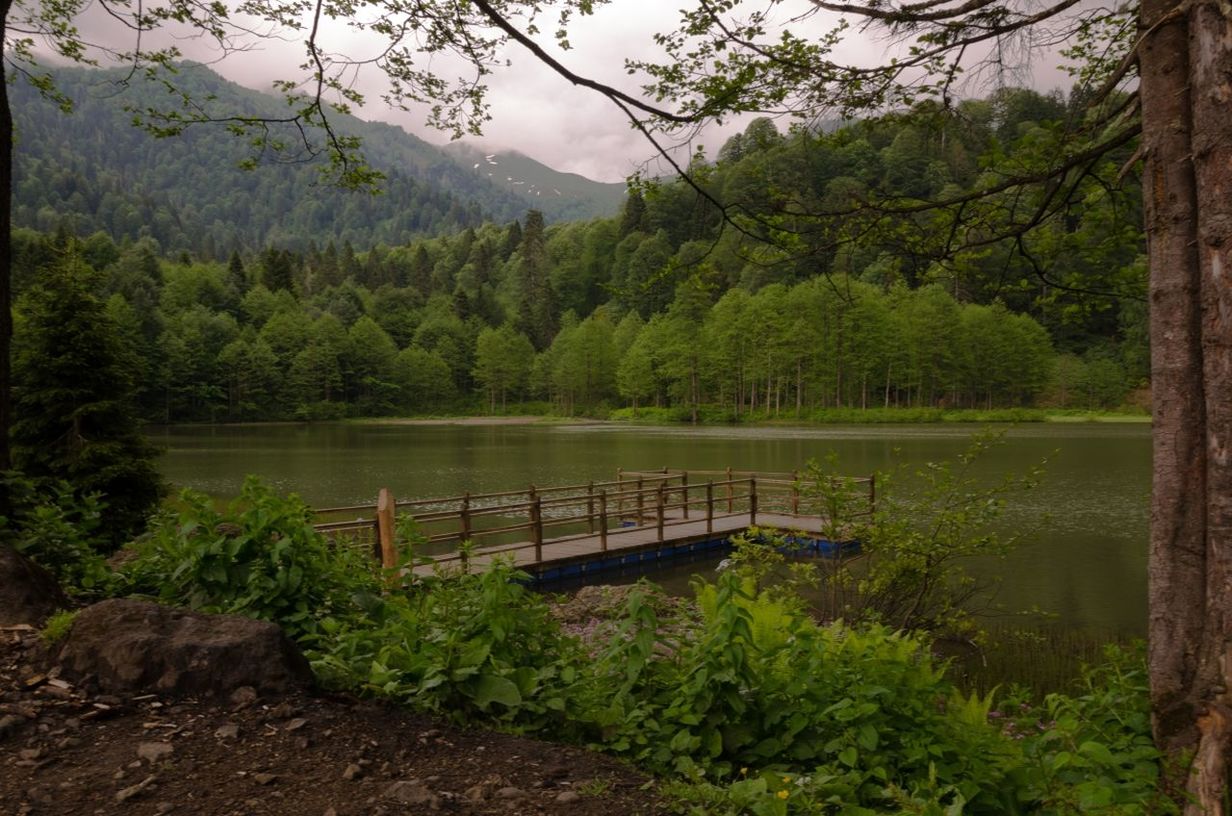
(534,111)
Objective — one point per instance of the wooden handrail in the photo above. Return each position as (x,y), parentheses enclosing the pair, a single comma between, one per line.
(540,512)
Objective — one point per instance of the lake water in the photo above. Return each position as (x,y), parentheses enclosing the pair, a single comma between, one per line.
(1083,556)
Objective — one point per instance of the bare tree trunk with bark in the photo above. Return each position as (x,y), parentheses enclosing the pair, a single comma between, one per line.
(1210,56)
(1185,67)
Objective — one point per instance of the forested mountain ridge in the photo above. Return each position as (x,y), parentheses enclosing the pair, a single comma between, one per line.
(92,170)
(673,303)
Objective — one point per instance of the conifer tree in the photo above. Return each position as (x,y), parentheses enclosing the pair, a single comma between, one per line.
(73,398)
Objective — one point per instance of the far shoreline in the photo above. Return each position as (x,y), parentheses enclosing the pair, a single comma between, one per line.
(662,419)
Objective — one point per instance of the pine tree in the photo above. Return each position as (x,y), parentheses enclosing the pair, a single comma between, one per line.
(537,317)
(73,398)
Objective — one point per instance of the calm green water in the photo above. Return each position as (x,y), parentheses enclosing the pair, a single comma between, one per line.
(1083,557)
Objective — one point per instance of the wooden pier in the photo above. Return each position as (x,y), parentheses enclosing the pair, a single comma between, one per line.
(576,530)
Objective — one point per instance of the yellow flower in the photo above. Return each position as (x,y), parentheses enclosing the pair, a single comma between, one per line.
(744,771)
(786,779)
(782,794)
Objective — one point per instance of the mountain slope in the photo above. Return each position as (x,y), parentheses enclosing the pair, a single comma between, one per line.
(570,196)
(94,171)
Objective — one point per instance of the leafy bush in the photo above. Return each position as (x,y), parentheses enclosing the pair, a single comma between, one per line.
(1093,752)
(468,646)
(919,542)
(59,530)
(260,557)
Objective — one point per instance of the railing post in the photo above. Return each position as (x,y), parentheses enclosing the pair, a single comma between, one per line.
(872,495)
(536,524)
(620,493)
(466,516)
(385,527)
(731,493)
(795,492)
(659,501)
(590,507)
(603,520)
(684,491)
(640,501)
(710,506)
(752,501)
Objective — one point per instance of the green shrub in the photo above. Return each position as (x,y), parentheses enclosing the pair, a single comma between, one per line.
(61,531)
(1093,752)
(467,646)
(260,557)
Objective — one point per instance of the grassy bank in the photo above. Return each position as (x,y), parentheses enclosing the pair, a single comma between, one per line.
(875,416)
(538,412)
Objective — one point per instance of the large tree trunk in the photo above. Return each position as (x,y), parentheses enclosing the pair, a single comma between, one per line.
(6,262)
(1210,57)
(1184,65)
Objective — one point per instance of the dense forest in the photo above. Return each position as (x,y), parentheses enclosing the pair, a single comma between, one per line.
(673,303)
(96,172)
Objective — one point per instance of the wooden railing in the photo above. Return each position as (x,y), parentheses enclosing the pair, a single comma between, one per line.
(509,521)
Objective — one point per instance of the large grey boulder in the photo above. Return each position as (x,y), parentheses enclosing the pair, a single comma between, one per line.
(135,646)
(28,593)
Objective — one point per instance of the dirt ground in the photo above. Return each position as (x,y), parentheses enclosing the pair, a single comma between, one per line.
(65,750)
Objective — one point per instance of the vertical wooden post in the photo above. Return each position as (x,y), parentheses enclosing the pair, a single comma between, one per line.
(752,501)
(710,506)
(590,507)
(640,501)
(385,528)
(684,491)
(466,516)
(603,520)
(872,494)
(659,502)
(620,493)
(536,524)
(731,504)
(795,492)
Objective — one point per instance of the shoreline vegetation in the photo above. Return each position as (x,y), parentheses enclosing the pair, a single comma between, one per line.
(828,416)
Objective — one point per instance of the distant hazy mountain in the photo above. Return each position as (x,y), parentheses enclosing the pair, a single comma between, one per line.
(92,170)
(568,195)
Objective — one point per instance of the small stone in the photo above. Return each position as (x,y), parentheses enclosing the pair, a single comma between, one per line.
(330,812)
(264,778)
(56,692)
(352,771)
(30,753)
(154,752)
(568,797)
(164,807)
(511,793)
(296,724)
(130,792)
(411,792)
(282,711)
(243,697)
(8,724)
(229,731)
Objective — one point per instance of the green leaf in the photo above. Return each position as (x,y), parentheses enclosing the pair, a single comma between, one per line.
(492,688)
